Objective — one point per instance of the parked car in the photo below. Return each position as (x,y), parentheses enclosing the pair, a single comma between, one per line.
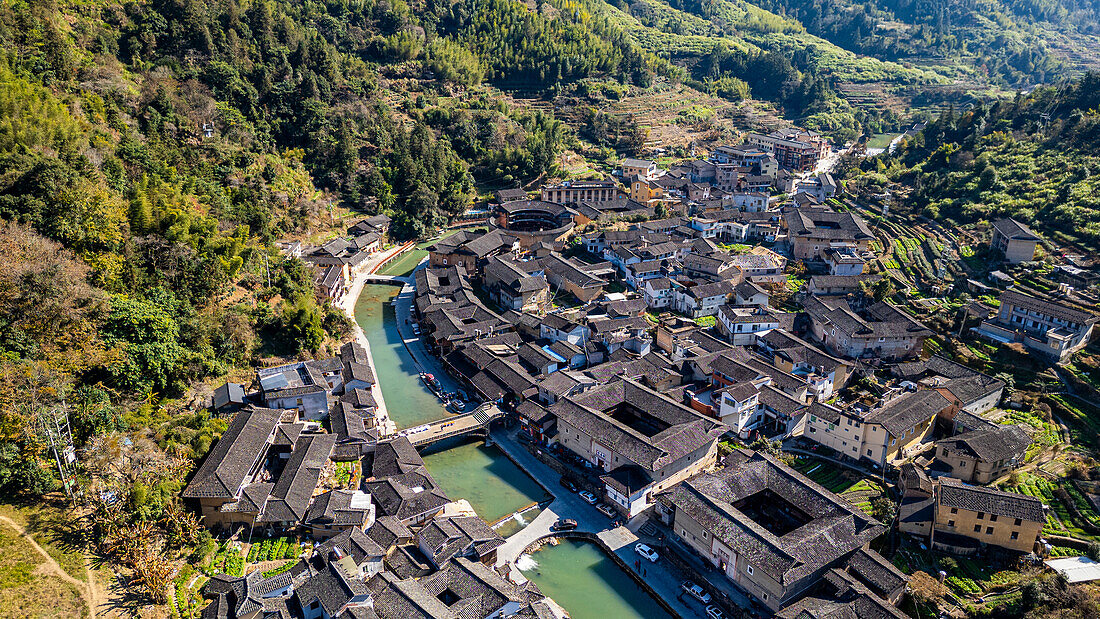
(568,485)
(588,497)
(695,591)
(646,552)
(565,524)
(606,510)
(713,612)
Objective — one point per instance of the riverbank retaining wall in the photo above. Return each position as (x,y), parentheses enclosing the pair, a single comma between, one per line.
(604,548)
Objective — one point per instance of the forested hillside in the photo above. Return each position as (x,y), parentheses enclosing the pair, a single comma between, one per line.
(1009,42)
(1032,157)
(151,152)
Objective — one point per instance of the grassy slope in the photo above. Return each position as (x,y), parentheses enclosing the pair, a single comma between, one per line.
(26,590)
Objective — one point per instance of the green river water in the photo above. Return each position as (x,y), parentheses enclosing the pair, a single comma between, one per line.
(587,583)
(464,467)
(579,576)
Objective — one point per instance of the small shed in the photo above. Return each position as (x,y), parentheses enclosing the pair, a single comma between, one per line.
(1076,569)
(229,394)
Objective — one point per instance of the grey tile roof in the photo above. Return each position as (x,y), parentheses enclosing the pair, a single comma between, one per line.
(388,531)
(240,447)
(353,542)
(290,497)
(876,321)
(849,599)
(480,591)
(334,508)
(399,483)
(446,538)
(358,371)
(1047,308)
(1014,230)
(627,479)
(359,398)
(991,443)
(333,588)
(821,222)
(834,530)
(908,410)
(684,429)
(396,598)
(954,493)
(877,573)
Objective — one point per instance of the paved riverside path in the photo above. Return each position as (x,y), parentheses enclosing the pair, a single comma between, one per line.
(422,356)
(661,576)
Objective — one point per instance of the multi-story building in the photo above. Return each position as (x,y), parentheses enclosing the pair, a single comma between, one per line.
(641,167)
(878,331)
(882,435)
(814,230)
(658,292)
(796,150)
(645,442)
(983,454)
(1015,240)
(1050,329)
(726,176)
(765,527)
(843,261)
(516,285)
(702,299)
(571,192)
(743,325)
(969,517)
(469,250)
(645,191)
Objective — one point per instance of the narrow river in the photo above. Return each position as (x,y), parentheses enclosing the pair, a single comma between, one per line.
(579,576)
(588,584)
(464,468)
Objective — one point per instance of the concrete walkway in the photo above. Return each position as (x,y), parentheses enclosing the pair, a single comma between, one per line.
(422,356)
(661,576)
(347,303)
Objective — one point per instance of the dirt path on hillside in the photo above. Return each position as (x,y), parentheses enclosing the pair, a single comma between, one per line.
(87,589)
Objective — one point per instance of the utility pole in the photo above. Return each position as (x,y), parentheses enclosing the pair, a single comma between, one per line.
(267,269)
(54,428)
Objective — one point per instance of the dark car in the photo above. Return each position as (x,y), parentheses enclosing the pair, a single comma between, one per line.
(568,485)
(565,524)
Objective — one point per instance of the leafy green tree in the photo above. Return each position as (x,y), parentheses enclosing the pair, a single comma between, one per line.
(93,414)
(148,335)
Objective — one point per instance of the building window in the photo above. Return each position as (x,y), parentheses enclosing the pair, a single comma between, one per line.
(981,515)
(750,570)
(989,530)
(954,510)
(1018,522)
(951,524)
(993,517)
(1015,535)
(977,528)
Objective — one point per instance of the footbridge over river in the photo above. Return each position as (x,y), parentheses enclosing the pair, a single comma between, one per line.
(477,420)
(395,280)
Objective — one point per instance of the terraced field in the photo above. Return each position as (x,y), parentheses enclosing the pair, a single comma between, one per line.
(853,488)
(1070,514)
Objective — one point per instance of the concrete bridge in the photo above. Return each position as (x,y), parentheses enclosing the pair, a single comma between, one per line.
(477,420)
(393,280)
